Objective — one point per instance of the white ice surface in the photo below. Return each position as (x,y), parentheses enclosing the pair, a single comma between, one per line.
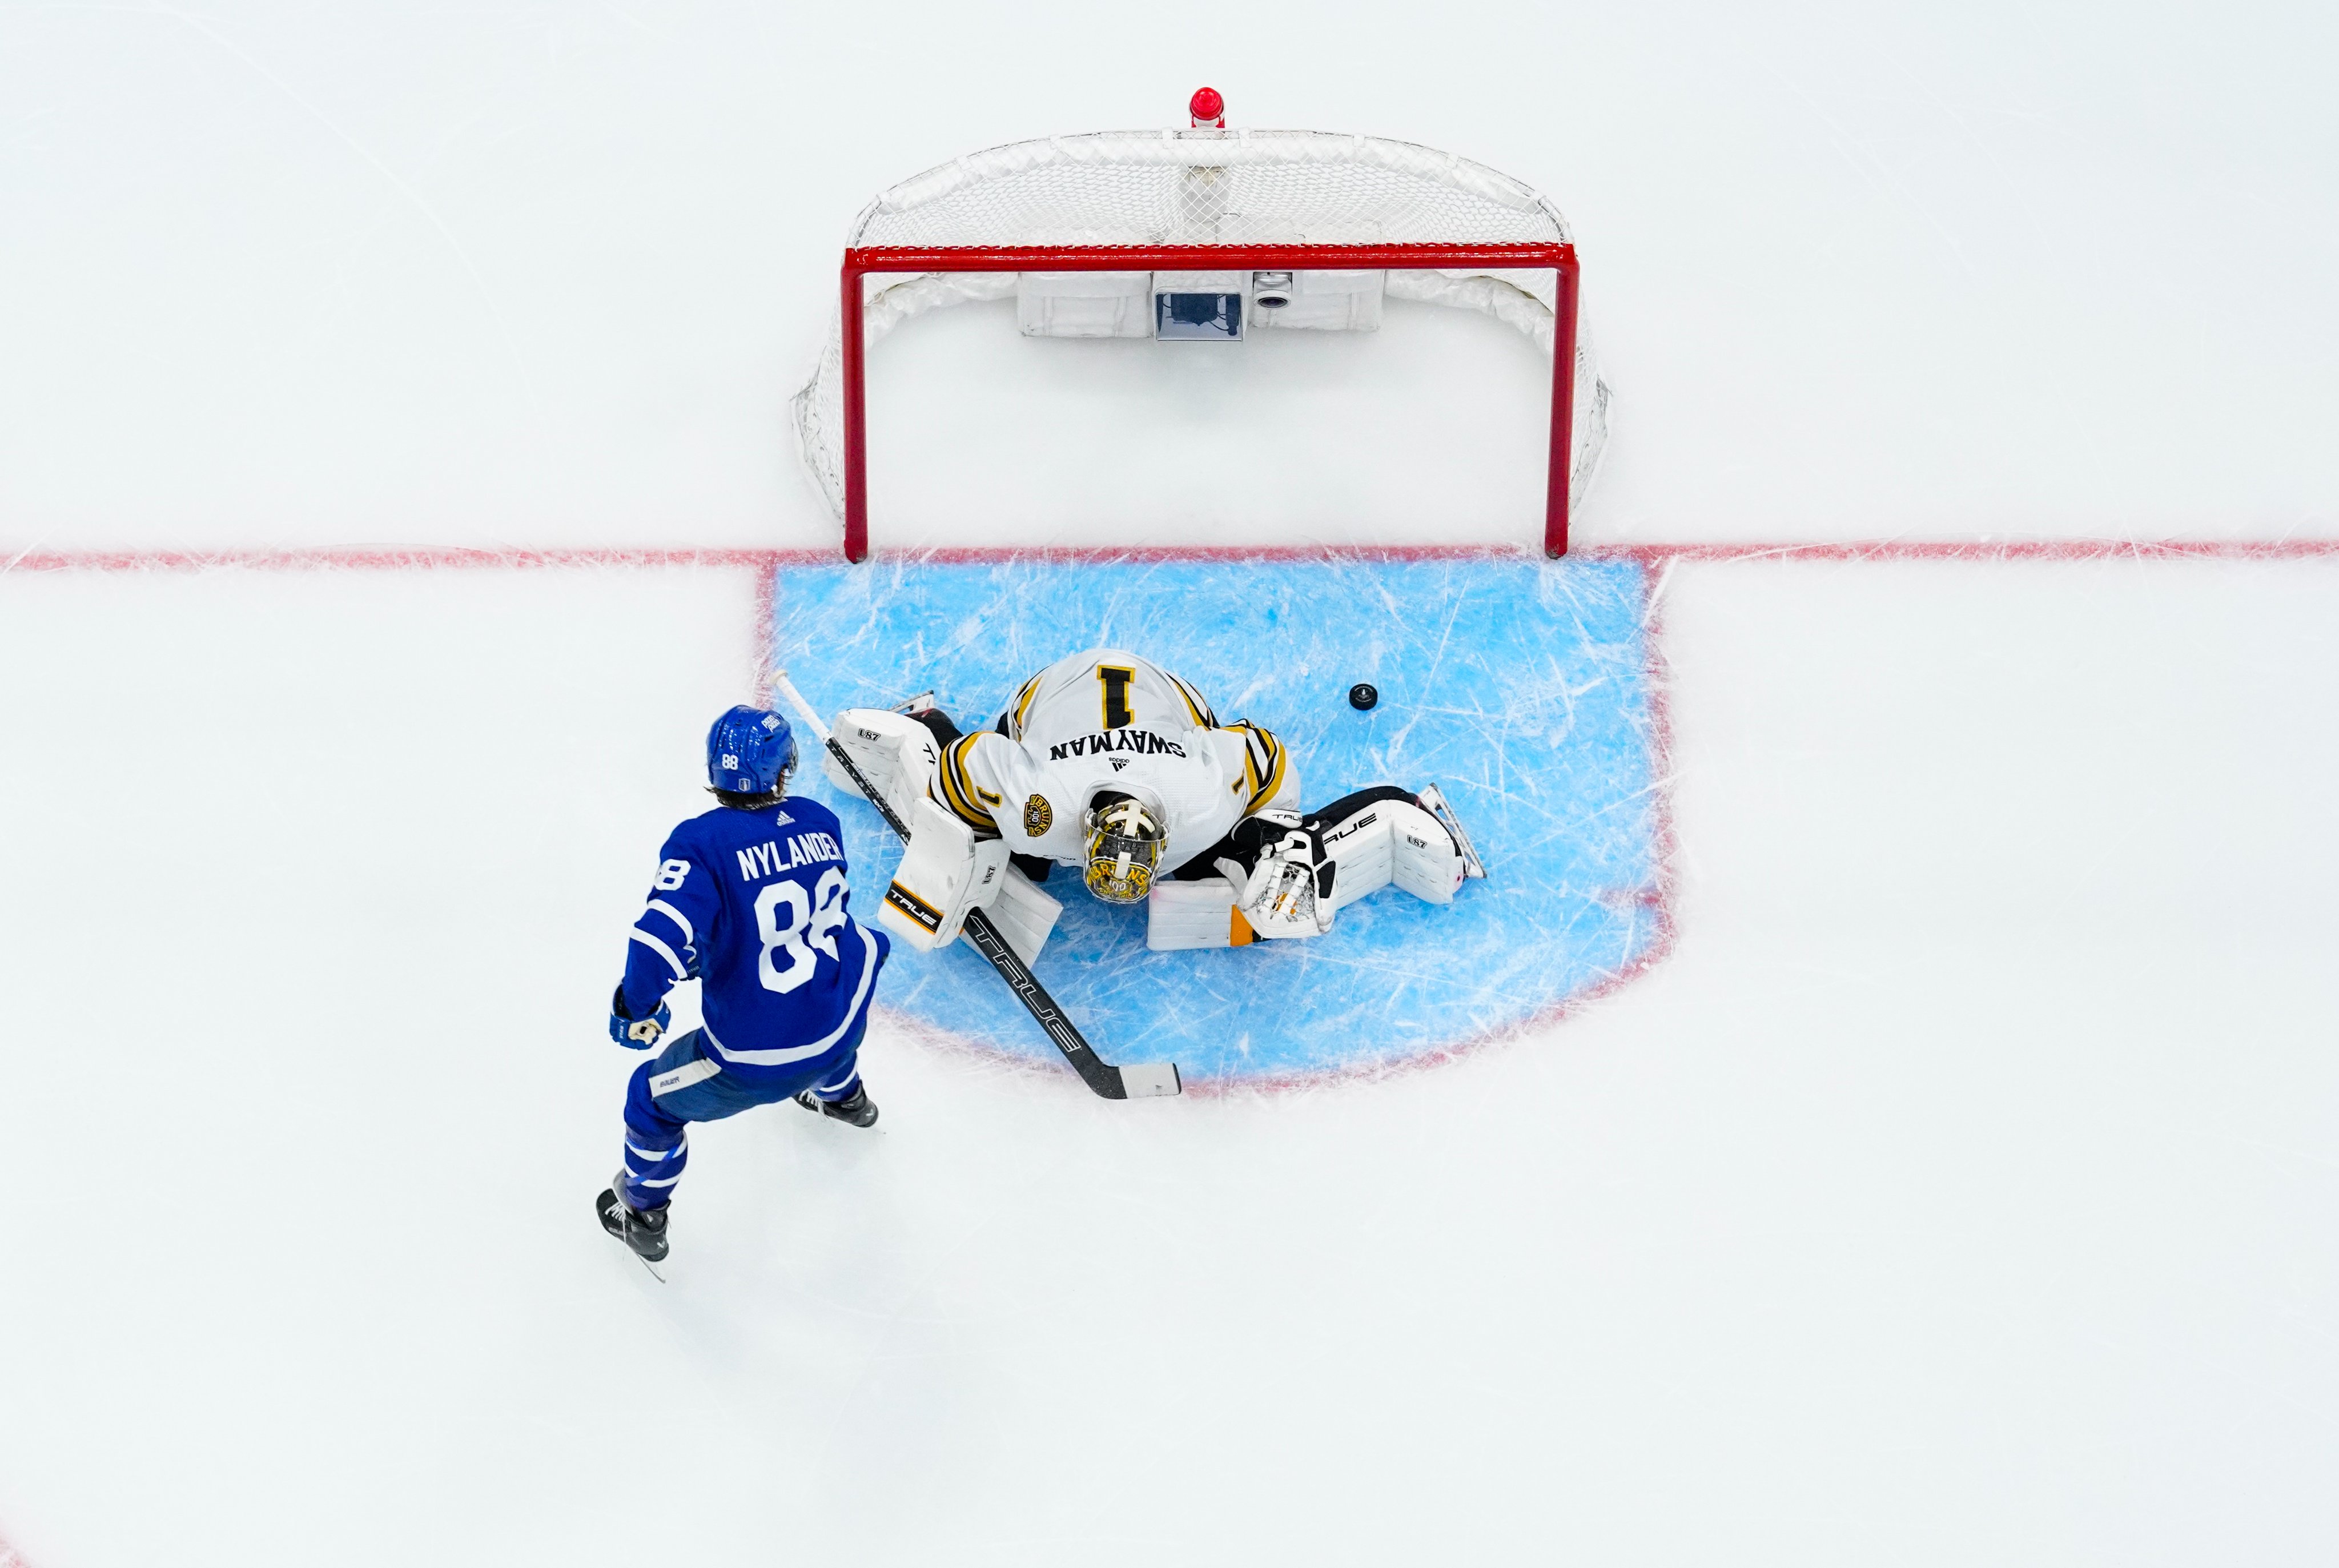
(1960,1191)
(277,273)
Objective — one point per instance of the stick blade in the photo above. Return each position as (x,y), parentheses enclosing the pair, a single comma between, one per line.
(1150,1080)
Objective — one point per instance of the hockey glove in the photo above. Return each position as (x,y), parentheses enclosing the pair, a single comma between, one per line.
(1289,893)
(637,1033)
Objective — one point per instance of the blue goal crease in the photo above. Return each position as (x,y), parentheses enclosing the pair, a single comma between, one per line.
(1519,686)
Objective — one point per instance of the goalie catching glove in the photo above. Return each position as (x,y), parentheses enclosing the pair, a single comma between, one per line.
(1282,875)
(1290,892)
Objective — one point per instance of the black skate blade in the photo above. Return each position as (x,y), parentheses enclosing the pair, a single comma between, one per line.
(607,1214)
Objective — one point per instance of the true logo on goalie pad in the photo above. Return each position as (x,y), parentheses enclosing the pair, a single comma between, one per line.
(1039,816)
(916,908)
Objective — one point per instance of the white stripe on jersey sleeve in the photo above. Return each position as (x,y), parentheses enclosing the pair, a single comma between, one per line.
(660,948)
(681,920)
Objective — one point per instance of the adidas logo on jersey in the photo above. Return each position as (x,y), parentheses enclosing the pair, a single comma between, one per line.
(1118,764)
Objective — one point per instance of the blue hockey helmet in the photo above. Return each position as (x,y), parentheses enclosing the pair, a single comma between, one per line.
(750,752)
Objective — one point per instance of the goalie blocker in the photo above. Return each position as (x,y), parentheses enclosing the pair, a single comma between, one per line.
(945,870)
(1277,874)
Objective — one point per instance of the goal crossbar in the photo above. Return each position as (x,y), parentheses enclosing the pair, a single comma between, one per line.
(860,262)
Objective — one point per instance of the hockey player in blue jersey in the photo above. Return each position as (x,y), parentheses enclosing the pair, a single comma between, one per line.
(750,898)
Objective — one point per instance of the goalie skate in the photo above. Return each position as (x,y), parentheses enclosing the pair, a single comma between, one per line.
(1433,801)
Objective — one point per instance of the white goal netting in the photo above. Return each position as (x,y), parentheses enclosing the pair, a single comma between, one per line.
(1244,187)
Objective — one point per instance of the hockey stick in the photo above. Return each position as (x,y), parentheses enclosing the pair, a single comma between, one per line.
(1138,1081)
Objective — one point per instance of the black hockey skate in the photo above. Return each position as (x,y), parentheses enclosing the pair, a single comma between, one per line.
(856,1108)
(643,1229)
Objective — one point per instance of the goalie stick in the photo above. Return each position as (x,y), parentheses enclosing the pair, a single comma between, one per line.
(1138,1081)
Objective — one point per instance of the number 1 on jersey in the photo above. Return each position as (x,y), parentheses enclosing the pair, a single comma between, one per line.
(1115,679)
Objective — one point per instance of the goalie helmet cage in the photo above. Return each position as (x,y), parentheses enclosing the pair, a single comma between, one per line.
(1205,200)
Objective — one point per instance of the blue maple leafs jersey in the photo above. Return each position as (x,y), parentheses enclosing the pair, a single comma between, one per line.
(762,896)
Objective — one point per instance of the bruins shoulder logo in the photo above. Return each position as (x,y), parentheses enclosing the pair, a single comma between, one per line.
(1039,816)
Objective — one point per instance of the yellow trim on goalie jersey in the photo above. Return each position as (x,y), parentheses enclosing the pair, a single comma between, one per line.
(958,790)
(1024,705)
(1203,716)
(1274,777)
(1262,791)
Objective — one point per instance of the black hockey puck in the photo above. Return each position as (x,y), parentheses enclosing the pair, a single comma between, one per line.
(1362,697)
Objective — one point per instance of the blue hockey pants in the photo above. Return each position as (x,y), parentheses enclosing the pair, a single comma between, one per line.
(697,1088)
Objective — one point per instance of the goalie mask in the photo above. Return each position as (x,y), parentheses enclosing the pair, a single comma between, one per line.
(1124,847)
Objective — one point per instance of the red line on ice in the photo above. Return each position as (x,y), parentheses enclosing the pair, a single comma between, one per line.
(1660,556)
(2074,549)
(399,557)
(402,557)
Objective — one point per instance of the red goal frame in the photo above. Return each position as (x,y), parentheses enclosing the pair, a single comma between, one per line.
(862,260)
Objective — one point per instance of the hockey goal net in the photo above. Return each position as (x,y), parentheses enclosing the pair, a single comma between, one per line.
(1204,232)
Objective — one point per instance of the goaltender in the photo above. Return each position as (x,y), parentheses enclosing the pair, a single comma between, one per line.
(1106,761)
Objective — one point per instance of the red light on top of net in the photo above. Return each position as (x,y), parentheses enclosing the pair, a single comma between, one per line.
(1207,108)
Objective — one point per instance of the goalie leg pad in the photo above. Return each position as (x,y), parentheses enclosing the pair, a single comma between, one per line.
(1424,859)
(1024,914)
(945,872)
(1393,841)
(1188,914)
(894,752)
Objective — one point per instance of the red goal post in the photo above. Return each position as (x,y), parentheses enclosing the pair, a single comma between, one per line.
(864,261)
(1309,230)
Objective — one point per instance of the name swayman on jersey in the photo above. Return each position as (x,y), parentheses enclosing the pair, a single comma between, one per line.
(1237,861)
(1110,719)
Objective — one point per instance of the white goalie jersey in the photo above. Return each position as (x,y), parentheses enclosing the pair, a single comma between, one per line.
(1238,861)
(1106,719)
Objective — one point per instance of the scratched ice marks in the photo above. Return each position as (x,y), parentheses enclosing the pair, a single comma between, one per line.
(1520,686)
